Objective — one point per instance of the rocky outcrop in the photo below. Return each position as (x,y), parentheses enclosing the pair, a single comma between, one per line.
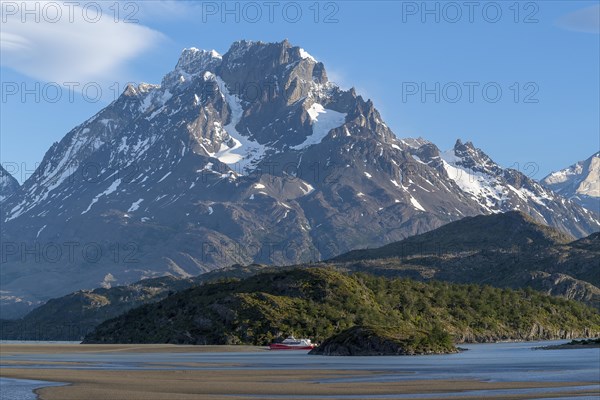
(574,344)
(372,341)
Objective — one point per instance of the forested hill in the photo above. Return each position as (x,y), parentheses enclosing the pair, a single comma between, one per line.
(320,302)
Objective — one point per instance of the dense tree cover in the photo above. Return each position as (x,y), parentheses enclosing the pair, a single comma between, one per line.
(320,302)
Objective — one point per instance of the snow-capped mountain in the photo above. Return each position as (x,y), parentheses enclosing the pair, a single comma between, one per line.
(249,156)
(500,190)
(579,182)
(8,184)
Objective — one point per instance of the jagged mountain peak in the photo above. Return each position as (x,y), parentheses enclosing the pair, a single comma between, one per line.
(139,90)
(193,60)
(285,49)
(471,157)
(284,70)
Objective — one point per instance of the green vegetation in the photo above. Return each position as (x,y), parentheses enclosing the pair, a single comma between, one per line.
(377,341)
(73,316)
(321,302)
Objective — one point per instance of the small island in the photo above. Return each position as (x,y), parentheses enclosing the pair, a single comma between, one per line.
(574,344)
(383,341)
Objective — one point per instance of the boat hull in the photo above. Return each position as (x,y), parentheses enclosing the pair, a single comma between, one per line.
(280,346)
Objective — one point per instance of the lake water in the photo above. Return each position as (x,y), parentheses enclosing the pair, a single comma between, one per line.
(499,362)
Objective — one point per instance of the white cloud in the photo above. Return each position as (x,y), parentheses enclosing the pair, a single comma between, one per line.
(71,48)
(583,20)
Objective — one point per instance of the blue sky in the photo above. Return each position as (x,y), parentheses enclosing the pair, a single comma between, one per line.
(543,56)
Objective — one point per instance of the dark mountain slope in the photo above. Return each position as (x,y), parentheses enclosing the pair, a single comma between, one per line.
(505,250)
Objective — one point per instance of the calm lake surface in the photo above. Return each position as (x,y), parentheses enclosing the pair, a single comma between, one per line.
(508,362)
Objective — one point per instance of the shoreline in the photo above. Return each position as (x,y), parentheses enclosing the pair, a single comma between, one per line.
(34,348)
(593,343)
(276,384)
(21,388)
(219,378)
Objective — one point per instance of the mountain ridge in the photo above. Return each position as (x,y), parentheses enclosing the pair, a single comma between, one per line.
(503,250)
(252,156)
(8,184)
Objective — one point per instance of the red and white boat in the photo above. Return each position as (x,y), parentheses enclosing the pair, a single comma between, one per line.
(291,343)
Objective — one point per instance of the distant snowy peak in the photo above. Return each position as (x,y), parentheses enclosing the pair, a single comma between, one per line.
(501,190)
(580,178)
(8,184)
(580,182)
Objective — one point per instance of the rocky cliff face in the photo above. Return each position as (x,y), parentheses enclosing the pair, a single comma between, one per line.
(249,156)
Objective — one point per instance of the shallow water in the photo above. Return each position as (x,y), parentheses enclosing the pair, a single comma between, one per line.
(498,362)
(21,389)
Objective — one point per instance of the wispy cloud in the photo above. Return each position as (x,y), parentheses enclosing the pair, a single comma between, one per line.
(583,20)
(80,46)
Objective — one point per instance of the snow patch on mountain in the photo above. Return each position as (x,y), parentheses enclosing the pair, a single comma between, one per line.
(322,120)
(306,188)
(304,54)
(416,204)
(111,189)
(482,187)
(135,205)
(40,231)
(241,152)
(59,170)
